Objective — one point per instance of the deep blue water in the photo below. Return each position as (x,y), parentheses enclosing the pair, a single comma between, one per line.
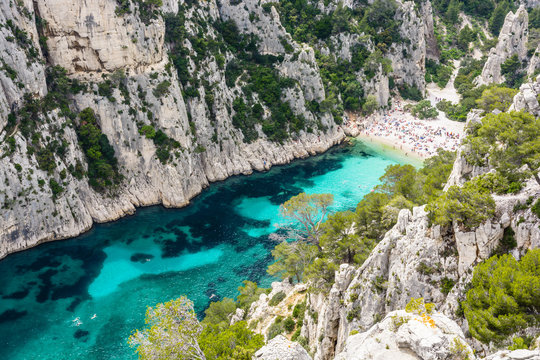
(117,269)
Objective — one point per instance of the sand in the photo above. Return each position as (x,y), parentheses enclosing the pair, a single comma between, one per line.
(397,130)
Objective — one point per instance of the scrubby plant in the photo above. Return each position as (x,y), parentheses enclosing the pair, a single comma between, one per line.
(277,298)
(504,296)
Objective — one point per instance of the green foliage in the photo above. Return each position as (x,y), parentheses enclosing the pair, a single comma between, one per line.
(410,92)
(469,70)
(305,213)
(496,97)
(218,312)
(419,307)
(536,208)
(465,37)
(520,343)
(275,329)
(299,310)
(512,71)
(161,89)
(509,141)
(496,20)
(438,73)
(55,188)
(291,259)
(233,342)
(246,117)
(446,285)
(494,182)
(164,144)
(507,243)
(102,164)
(424,110)
(276,299)
(370,105)
(469,205)
(249,293)
(171,332)
(289,324)
(147,10)
(504,296)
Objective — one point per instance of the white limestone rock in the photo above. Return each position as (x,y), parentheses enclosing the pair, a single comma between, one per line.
(512,40)
(279,348)
(521,354)
(416,338)
(527,98)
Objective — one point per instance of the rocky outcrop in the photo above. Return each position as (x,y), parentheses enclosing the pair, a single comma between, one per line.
(261,314)
(279,348)
(403,335)
(527,98)
(512,40)
(462,170)
(414,260)
(408,56)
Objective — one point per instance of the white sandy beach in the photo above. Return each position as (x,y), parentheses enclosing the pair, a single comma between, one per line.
(416,138)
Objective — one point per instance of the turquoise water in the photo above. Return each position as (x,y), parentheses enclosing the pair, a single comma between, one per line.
(204,250)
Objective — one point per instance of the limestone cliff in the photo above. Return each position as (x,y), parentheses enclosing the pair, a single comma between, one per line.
(512,40)
(92,41)
(128,62)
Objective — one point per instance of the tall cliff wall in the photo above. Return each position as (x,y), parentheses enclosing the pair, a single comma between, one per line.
(167,68)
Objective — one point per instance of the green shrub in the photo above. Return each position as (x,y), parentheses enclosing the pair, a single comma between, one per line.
(102,163)
(410,92)
(277,298)
(424,110)
(162,89)
(274,330)
(231,342)
(289,324)
(504,296)
(446,285)
(55,188)
(536,208)
(299,310)
(469,205)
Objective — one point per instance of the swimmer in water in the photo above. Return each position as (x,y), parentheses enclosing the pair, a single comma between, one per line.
(93,316)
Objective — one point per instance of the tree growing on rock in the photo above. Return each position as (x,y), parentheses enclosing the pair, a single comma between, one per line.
(304,214)
(510,142)
(171,333)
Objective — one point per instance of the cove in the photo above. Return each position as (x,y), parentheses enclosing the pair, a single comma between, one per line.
(203,251)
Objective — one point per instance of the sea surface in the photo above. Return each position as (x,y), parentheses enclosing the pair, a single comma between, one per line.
(104,280)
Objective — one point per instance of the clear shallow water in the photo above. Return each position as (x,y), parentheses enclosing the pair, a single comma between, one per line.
(117,269)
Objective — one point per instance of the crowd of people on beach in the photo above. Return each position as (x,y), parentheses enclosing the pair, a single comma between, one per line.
(422,137)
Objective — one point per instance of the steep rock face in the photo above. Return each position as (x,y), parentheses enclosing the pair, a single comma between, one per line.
(512,40)
(432,50)
(89,36)
(279,348)
(462,170)
(211,148)
(402,335)
(408,57)
(414,260)
(22,71)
